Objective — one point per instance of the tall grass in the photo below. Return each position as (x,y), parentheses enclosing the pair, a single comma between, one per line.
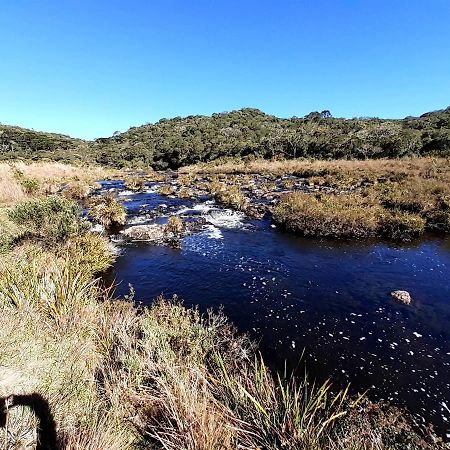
(160,377)
(19,181)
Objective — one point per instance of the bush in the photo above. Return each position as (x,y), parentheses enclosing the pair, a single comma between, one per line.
(50,220)
(30,185)
(107,210)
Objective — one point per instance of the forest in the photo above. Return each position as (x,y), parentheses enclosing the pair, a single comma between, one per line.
(247,133)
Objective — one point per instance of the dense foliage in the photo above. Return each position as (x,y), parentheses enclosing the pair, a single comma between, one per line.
(16,142)
(171,143)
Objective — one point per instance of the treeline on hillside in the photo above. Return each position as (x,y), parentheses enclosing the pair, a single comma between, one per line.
(171,143)
(17,142)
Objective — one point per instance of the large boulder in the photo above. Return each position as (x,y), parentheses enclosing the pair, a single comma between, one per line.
(151,233)
(402,297)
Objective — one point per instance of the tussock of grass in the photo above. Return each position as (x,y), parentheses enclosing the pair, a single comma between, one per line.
(135,183)
(166,190)
(107,210)
(89,252)
(174,225)
(228,195)
(185,192)
(78,189)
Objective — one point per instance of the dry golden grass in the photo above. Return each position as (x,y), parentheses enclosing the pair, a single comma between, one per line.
(438,168)
(397,199)
(174,225)
(50,178)
(166,190)
(344,216)
(107,210)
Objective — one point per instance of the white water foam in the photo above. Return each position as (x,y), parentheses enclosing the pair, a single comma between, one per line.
(97,228)
(125,193)
(137,220)
(225,218)
(202,208)
(212,232)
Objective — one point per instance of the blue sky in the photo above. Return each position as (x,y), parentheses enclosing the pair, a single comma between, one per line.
(90,67)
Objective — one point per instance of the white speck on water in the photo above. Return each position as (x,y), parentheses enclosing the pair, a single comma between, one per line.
(416,334)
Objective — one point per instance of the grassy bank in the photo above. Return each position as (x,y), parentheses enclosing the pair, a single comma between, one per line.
(102,373)
(19,181)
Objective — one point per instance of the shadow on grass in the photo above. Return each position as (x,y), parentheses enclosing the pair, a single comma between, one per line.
(46,431)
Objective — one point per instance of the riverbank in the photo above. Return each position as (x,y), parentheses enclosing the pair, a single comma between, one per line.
(115,375)
(394,199)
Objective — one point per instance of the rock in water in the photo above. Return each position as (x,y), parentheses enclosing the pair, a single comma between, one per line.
(402,297)
(152,233)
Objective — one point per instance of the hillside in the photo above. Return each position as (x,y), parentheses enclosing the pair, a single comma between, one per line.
(172,143)
(17,142)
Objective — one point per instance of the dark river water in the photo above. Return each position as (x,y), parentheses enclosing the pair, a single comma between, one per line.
(327,300)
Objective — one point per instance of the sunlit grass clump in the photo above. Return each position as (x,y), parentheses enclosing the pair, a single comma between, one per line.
(228,195)
(327,215)
(166,190)
(174,225)
(135,183)
(107,210)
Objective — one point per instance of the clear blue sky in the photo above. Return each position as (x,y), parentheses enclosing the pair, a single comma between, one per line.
(90,67)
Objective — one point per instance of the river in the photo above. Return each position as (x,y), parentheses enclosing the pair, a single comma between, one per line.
(326,300)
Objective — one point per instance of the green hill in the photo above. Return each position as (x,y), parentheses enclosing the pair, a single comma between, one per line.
(248,132)
(16,142)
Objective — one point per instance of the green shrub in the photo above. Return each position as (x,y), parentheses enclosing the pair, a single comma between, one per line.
(30,185)
(50,220)
(10,233)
